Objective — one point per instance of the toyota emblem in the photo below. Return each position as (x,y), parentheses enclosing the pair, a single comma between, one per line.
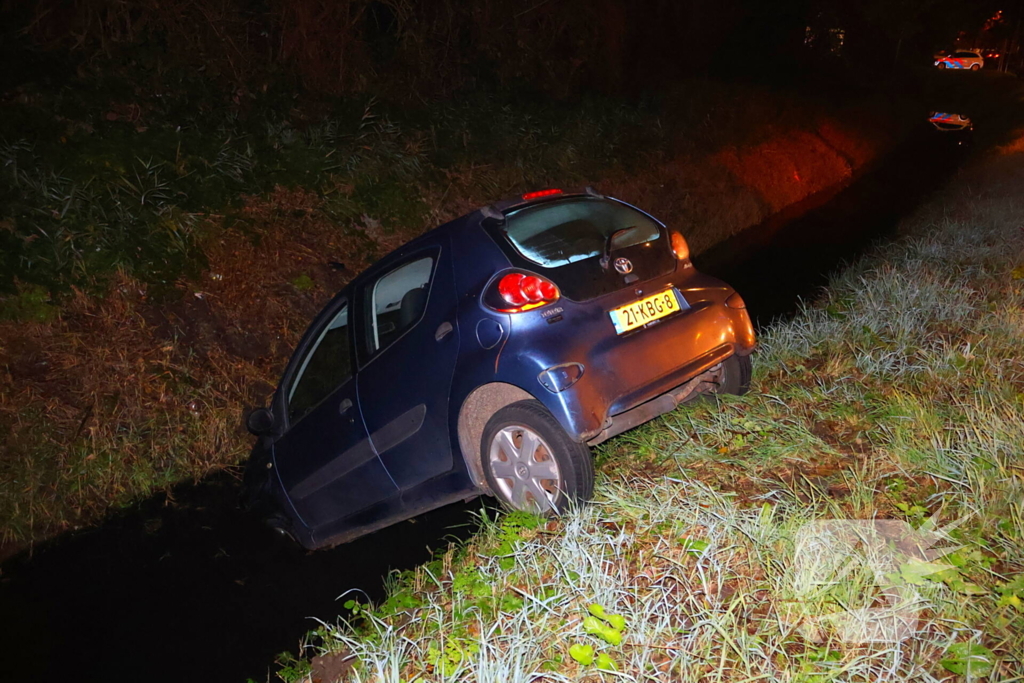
(624,265)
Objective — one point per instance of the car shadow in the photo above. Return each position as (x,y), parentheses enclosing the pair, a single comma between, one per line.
(185,586)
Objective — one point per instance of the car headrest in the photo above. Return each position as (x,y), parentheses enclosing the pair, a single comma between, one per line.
(412,307)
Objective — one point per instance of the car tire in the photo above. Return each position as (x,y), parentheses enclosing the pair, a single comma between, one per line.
(942,65)
(975,67)
(735,379)
(530,462)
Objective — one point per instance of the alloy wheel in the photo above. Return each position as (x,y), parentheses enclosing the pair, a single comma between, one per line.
(524,469)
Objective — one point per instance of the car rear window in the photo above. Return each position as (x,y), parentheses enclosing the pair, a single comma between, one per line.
(557,233)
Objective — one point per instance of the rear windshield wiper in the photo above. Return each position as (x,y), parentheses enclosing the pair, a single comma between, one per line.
(606,254)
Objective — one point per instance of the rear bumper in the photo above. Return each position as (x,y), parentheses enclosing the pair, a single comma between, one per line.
(595,407)
(704,379)
(624,373)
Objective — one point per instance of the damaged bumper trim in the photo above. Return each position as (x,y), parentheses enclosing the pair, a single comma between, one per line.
(665,403)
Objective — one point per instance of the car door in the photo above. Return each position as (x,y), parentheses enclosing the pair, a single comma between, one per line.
(325,460)
(407,357)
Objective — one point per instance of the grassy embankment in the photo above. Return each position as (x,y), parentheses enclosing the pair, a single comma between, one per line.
(899,394)
(161,250)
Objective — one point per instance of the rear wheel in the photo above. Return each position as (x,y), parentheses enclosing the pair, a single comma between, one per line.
(975,67)
(735,377)
(531,464)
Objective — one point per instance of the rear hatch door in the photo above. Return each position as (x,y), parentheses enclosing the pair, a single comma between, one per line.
(588,246)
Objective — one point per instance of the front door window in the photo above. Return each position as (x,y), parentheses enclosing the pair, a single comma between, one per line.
(327,365)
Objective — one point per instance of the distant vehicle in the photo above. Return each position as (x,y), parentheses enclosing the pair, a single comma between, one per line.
(950,122)
(961,59)
(486,357)
(952,129)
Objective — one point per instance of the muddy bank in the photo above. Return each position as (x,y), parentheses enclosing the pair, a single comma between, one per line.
(788,258)
(713,197)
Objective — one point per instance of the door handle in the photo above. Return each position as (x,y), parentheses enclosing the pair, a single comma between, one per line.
(443,330)
(344,406)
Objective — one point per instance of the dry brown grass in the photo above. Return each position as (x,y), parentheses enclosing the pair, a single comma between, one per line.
(104,410)
(123,395)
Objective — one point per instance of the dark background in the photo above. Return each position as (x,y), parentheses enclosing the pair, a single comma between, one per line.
(427,48)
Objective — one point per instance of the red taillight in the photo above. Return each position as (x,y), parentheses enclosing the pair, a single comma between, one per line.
(535,289)
(524,292)
(540,193)
(510,289)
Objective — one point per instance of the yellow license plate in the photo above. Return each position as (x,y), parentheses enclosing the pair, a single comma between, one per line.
(646,310)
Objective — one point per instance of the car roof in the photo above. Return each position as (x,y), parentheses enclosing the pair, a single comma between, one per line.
(495,209)
(466,227)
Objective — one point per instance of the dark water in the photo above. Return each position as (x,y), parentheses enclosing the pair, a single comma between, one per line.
(189,589)
(186,588)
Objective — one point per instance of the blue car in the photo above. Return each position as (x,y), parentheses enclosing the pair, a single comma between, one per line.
(486,357)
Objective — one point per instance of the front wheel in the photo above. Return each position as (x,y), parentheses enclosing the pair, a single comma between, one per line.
(942,65)
(531,464)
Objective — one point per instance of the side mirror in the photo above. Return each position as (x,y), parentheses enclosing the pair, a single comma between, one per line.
(260,422)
